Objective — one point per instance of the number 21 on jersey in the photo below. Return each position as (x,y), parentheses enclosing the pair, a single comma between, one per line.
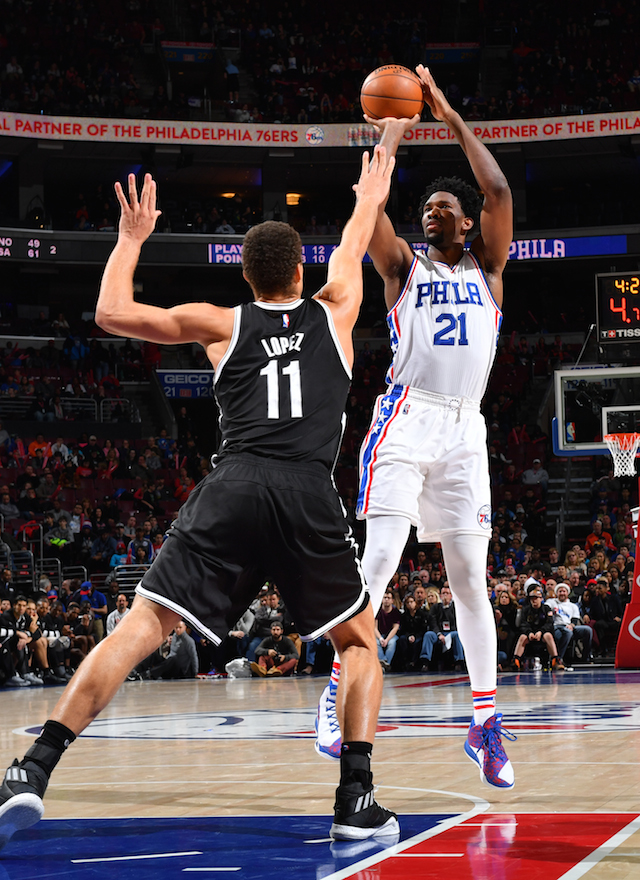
(447,336)
(292,372)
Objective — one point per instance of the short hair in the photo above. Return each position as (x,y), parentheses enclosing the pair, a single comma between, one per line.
(271,251)
(470,201)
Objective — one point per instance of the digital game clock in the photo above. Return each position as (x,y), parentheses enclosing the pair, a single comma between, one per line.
(618,307)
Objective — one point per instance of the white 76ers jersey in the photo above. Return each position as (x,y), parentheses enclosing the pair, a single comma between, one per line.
(444,329)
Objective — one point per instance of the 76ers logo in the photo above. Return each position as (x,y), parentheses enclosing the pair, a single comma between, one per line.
(484,516)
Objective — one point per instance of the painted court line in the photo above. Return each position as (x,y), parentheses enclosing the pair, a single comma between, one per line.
(194,870)
(602,852)
(430,855)
(131,858)
(480,806)
(490,824)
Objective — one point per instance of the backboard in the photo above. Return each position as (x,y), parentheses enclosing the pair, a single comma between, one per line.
(591,402)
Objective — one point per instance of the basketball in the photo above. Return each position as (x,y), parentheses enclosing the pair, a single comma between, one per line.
(392,90)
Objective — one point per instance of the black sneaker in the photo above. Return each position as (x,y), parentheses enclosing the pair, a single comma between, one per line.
(49,677)
(21,798)
(358,816)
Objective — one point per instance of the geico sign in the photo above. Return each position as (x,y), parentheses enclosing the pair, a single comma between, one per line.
(188,380)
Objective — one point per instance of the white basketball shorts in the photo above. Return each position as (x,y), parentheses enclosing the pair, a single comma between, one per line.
(425,457)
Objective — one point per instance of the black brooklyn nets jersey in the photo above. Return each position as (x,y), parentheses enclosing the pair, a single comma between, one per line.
(282,384)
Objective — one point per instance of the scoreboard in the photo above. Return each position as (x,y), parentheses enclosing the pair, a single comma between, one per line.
(44,246)
(618,307)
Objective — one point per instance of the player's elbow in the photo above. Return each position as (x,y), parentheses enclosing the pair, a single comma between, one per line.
(106,320)
(102,318)
(115,323)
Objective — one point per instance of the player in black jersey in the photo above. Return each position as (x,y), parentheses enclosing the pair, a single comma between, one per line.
(269,507)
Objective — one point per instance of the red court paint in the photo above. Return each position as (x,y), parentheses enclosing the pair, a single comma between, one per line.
(503,846)
(432,684)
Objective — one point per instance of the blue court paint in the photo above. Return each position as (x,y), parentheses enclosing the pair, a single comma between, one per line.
(261,847)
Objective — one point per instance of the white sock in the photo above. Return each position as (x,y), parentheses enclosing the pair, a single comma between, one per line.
(465,558)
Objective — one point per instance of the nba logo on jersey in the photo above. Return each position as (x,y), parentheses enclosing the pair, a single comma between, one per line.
(285,320)
(484,516)
(406,408)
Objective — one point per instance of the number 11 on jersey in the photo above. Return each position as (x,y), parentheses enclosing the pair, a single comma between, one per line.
(292,371)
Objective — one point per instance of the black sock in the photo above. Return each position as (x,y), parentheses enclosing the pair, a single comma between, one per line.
(355,764)
(356,748)
(49,746)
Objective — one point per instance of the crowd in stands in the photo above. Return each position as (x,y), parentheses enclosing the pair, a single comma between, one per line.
(586,62)
(307,63)
(80,369)
(77,58)
(88,509)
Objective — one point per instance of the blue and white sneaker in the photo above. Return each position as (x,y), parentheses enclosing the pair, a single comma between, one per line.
(328,736)
(484,748)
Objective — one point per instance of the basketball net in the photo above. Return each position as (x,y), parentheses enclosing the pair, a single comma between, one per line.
(623,448)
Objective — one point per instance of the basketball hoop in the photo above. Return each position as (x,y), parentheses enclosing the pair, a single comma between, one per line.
(623,448)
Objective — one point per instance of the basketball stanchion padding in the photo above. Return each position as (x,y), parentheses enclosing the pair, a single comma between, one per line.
(623,451)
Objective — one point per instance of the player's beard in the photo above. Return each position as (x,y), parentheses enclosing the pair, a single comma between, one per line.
(435,238)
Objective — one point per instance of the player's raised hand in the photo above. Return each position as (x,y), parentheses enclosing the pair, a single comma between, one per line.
(375,175)
(137,217)
(433,96)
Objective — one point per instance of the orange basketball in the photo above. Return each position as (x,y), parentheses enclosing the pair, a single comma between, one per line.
(392,90)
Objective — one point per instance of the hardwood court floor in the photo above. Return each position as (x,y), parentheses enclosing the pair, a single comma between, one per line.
(199,752)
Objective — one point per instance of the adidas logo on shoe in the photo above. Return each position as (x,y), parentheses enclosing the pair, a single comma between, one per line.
(357,817)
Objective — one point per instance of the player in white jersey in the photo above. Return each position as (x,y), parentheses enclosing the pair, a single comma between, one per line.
(424,460)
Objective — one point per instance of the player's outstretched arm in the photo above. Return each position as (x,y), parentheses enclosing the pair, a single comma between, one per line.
(343,290)
(117,311)
(496,221)
(391,254)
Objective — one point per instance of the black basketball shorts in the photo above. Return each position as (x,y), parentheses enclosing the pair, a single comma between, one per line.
(254,519)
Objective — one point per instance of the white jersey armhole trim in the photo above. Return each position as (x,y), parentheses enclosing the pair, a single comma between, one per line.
(334,336)
(235,333)
(484,281)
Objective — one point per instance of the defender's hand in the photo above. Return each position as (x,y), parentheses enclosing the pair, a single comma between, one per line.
(375,175)
(137,218)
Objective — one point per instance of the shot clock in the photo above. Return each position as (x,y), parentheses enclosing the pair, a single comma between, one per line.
(618,307)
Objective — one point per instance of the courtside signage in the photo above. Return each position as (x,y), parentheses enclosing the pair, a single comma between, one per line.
(148,131)
(186,383)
